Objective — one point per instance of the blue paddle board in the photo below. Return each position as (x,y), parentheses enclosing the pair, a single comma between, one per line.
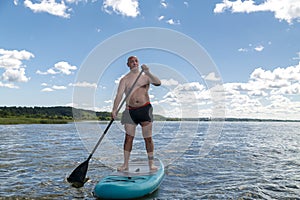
(136,182)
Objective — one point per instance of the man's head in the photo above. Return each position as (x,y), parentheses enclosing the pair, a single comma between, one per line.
(132,62)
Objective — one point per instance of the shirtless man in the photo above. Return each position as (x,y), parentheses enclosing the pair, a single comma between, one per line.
(138,109)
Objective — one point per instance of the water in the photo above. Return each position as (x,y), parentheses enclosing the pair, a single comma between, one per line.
(246,160)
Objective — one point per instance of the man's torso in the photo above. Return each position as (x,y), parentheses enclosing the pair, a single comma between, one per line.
(139,95)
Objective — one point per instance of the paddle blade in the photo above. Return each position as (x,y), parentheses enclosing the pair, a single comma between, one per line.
(77,177)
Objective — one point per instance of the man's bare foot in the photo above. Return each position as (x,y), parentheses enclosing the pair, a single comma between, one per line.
(153,168)
(122,168)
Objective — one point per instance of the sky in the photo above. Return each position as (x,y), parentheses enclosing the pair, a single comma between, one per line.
(216,58)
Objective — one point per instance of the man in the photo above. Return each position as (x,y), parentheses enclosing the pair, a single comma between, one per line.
(138,109)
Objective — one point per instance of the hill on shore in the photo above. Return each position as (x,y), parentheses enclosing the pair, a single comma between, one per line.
(65,114)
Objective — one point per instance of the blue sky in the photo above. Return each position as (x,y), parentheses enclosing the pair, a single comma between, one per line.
(45,45)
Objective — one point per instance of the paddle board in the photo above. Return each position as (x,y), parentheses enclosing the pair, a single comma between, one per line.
(136,182)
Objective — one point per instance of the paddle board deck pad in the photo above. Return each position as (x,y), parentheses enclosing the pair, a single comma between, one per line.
(136,182)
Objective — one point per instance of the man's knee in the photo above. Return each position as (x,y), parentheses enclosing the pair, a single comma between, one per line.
(148,139)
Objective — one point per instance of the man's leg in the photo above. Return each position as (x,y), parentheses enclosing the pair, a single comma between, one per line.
(129,136)
(147,134)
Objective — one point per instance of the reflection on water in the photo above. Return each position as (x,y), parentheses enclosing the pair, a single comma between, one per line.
(248,160)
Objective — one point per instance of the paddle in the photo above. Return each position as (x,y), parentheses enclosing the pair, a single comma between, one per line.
(77,177)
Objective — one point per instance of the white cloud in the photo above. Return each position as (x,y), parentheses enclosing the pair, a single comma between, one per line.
(49,6)
(163,3)
(52,88)
(170,82)
(15,75)
(59,68)
(287,10)
(259,48)
(13,58)
(260,74)
(267,94)
(64,67)
(161,18)
(173,22)
(8,85)
(47,90)
(185,100)
(11,61)
(59,87)
(212,77)
(108,102)
(193,86)
(252,48)
(291,74)
(186,3)
(129,8)
(84,84)
(242,50)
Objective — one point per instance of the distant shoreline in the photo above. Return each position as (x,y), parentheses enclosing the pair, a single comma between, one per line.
(14,121)
(20,120)
(64,115)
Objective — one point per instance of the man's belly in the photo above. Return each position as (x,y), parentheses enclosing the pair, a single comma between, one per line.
(138,98)
(138,102)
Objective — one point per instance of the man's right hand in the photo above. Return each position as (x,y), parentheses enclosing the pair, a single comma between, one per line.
(114,114)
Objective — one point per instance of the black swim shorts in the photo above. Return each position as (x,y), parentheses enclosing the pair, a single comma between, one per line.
(138,115)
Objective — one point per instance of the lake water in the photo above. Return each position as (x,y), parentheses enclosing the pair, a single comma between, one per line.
(236,160)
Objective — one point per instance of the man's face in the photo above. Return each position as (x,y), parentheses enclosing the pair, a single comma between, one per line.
(133,62)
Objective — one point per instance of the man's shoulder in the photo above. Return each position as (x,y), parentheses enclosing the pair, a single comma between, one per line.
(126,77)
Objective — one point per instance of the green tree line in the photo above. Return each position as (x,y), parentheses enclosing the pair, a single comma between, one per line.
(58,112)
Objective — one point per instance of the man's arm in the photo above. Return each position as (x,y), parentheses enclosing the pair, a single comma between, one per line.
(153,79)
(118,98)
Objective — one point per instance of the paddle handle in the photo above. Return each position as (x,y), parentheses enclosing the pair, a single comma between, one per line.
(112,120)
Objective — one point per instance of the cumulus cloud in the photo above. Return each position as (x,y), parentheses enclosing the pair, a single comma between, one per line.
(11,62)
(287,10)
(13,58)
(267,94)
(49,6)
(129,8)
(15,75)
(64,67)
(59,68)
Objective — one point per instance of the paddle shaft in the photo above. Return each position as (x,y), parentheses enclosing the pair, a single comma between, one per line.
(112,120)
